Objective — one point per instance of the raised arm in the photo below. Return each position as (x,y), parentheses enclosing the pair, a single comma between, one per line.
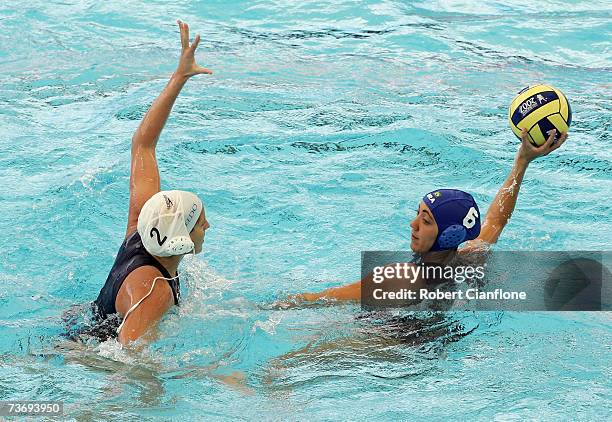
(504,202)
(144,176)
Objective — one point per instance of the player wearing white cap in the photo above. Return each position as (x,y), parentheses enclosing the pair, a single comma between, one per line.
(162,226)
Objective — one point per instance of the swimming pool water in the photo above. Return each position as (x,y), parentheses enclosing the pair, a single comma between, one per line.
(318,133)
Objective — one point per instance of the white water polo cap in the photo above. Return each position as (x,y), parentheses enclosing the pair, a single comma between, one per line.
(166,220)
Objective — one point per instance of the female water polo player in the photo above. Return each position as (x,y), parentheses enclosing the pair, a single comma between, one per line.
(446,218)
(162,226)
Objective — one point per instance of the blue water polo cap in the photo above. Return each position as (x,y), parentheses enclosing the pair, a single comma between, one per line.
(457,216)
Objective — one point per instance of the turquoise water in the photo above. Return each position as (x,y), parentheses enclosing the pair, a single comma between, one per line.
(320,130)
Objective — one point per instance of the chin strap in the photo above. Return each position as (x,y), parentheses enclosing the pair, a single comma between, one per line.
(143,298)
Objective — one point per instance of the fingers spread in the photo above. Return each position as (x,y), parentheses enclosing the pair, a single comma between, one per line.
(195,42)
(560,141)
(550,140)
(525,139)
(525,136)
(546,147)
(204,70)
(184,35)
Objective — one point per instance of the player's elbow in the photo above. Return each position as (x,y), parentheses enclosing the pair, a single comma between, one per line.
(124,338)
(130,333)
(491,230)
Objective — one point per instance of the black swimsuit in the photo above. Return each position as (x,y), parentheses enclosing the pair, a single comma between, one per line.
(416,327)
(131,255)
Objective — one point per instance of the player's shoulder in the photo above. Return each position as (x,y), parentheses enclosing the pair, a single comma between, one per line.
(145,274)
(138,283)
(131,230)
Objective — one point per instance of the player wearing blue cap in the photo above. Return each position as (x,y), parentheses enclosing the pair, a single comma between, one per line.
(446,218)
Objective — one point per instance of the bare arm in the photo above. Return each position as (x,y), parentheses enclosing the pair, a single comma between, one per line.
(353,291)
(503,204)
(144,176)
(144,318)
(348,292)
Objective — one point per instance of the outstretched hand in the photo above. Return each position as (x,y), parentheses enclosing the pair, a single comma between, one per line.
(528,152)
(187,66)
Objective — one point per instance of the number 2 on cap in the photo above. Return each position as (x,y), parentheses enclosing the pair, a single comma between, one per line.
(161,241)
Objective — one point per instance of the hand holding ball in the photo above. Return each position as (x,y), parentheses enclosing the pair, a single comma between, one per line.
(539,110)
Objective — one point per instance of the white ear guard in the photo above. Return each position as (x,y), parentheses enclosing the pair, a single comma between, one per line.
(178,245)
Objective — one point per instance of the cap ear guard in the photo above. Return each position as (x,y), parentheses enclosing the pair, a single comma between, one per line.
(178,245)
(457,216)
(451,237)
